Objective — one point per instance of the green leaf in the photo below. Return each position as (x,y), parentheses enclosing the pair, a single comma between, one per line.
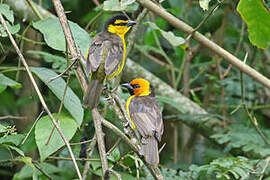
(2,88)
(27,171)
(71,101)
(112,5)
(12,139)
(204,4)
(5,153)
(167,100)
(5,81)
(12,29)
(16,149)
(59,62)
(257,18)
(43,129)
(169,36)
(4,9)
(124,5)
(54,36)
(114,155)
(2,128)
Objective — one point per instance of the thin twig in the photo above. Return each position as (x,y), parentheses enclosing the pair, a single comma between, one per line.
(93,20)
(237,47)
(70,159)
(133,34)
(83,142)
(64,95)
(156,60)
(114,146)
(27,135)
(12,117)
(36,164)
(31,4)
(264,168)
(100,139)
(89,154)
(62,73)
(30,40)
(40,95)
(117,175)
(253,120)
(60,108)
(204,20)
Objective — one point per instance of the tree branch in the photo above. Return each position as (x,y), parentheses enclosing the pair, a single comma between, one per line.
(97,118)
(180,25)
(70,41)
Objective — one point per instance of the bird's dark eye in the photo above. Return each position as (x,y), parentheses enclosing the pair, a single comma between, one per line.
(136,86)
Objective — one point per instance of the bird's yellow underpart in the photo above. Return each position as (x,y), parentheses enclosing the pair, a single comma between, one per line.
(119,30)
(127,107)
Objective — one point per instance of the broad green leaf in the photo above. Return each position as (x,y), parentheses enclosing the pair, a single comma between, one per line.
(4,9)
(114,155)
(71,101)
(112,5)
(171,102)
(13,29)
(12,139)
(5,81)
(2,88)
(5,153)
(27,171)
(204,4)
(54,36)
(124,5)
(59,62)
(129,161)
(169,36)
(43,129)
(257,18)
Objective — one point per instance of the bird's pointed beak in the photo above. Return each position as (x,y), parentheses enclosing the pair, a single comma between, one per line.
(128,86)
(131,23)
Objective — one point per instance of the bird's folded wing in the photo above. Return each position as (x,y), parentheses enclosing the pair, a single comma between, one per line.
(94,55)
(146,115)
(114,58)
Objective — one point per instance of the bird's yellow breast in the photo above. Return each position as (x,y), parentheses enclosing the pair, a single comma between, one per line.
(127,107)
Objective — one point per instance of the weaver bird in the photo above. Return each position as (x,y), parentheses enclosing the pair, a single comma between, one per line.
(106,56)
(145,116)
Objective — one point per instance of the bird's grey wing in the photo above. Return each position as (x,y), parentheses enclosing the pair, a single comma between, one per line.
(115,57)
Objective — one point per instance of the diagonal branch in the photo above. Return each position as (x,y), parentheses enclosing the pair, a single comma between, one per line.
(100,140)
(70,41)
(182,26)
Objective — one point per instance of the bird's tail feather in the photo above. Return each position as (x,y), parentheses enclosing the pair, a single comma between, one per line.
(150,151)
(93,93)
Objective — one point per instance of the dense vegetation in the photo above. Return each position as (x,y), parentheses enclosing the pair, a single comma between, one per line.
(216,117)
